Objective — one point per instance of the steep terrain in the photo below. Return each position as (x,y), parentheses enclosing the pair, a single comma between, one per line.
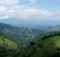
(8,48)
(47,47)
(29,42)
(21,35)
(9,43)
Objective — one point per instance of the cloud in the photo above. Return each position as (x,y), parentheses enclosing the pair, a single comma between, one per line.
(25,12)
(3,12)
(8,2)
(34,13)
(4,17)
(28,13)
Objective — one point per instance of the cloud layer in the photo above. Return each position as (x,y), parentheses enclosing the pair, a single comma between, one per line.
(13,9)
(8,2)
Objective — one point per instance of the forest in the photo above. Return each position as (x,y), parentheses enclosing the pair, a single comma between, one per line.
(26,42)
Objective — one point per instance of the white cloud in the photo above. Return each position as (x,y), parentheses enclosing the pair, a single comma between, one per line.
(3,12)
(8,2)
(4,17)
(27,13)
(33,13)
(16,2)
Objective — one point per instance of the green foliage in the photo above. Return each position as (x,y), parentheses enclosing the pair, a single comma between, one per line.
(32,43)
(7,42)
(8,48)
(44,48)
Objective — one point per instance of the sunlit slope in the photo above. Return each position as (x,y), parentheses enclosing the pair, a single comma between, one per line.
(52,40)
(43,48)
(9,43)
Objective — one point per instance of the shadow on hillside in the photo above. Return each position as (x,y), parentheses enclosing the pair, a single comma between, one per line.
(50,35)
(55,55)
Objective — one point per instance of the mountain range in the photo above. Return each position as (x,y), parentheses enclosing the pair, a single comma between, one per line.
(43,41)
(25,34)
(30,23)
(19,34)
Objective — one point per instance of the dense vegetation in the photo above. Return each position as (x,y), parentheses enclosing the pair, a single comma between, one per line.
(44,48)
(7,47)
(26,42)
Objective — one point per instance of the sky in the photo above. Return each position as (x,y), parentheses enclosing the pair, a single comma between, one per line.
(35,10)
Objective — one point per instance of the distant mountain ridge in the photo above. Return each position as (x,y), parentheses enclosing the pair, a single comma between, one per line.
(30,23)
(33,42)
(16,33)
(23,34)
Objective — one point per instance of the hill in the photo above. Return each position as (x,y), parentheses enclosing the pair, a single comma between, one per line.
(21,35)
(8,42)
(47,47)
(8,48)
(29,42)
(16,33)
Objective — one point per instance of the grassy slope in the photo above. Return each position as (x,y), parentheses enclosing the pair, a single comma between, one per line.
(7,42)
(44,48)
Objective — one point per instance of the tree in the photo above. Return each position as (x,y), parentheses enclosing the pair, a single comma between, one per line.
(32,43)
(3,51)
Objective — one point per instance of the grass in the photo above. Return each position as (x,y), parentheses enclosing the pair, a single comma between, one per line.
(7,42)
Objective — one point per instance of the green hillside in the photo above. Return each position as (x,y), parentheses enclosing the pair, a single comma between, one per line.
(26,42)
(7,42)
(44,48)
(8,48)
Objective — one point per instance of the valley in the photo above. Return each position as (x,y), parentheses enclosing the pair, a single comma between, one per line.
(29,42)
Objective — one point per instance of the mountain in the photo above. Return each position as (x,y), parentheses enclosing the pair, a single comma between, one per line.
(8,48)
(30,22)
(22,35)
(46,47)
(30,42)
(9,43)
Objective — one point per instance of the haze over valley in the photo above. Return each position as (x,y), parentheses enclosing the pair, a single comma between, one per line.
(29,28)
